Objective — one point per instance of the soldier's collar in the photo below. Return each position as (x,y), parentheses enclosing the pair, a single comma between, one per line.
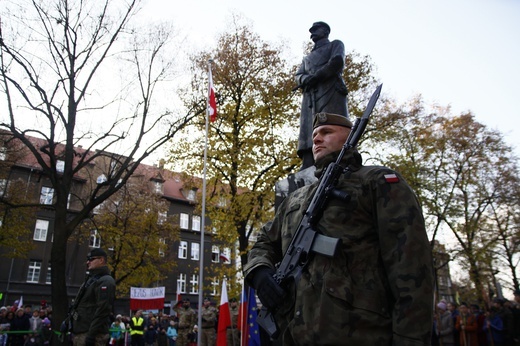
(352,160)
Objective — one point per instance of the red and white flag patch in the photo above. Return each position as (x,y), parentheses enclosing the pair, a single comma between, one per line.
(391,178)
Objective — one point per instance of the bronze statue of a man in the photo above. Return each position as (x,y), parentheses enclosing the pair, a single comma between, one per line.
(320,78)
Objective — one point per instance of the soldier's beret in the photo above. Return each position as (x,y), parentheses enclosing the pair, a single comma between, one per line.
(331,119)
(318,24)
(97,252)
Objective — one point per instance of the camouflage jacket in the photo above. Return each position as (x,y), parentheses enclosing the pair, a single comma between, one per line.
(378,289)
(209,316)
(187,318)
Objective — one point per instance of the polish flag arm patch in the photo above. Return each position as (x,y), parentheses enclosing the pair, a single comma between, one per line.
(391,178)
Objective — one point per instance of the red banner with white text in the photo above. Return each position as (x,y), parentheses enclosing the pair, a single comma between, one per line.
(147,298)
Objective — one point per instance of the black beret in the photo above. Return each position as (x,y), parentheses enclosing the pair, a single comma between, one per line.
(97,252)
(331,119)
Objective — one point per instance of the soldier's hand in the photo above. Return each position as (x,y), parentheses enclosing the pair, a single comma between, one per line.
(269,292)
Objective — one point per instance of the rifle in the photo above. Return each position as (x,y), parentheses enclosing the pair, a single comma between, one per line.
(306,240)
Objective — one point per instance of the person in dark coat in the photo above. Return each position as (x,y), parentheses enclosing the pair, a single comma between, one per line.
(91,312)
(20,323)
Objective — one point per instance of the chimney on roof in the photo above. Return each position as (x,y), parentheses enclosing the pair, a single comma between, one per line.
(161,163)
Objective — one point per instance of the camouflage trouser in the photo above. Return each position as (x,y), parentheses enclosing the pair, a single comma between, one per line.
(182,337)
(207,338)
(80,339)
(233,337)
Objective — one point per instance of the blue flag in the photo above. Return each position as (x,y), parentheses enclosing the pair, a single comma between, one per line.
(253,332)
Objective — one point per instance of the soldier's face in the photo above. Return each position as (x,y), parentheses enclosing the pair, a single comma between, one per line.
(327,139)
(95,262)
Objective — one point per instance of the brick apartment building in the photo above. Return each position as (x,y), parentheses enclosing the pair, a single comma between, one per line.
(30,276)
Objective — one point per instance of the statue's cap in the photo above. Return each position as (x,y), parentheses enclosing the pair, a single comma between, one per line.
(331,119)
(318,24)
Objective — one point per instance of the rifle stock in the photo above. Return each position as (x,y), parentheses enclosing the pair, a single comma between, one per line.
(306,240)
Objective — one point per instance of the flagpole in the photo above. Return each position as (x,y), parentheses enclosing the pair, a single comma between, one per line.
(203,214)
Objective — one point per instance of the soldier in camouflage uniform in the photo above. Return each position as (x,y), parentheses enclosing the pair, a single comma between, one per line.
(209,317)
(187,319)
(233,332)
(378,288)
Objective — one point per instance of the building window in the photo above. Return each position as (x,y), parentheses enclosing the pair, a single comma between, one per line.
(113,167)
(33,274)
(194,284)
(195,223)
(185,219)
(183,249)
(40,230)
(222,202)
(48,279)
(60,166)
(95,239)
(158,187)
(214,287)
(215,254)
(46,195)
(101,179)
(3,153)
(3,187)
(161,218)
(162,246)
(181,283)
(97,208)
(195,250)
(191,195)
(226,255)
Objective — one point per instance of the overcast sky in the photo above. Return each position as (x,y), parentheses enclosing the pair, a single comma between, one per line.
(463,53)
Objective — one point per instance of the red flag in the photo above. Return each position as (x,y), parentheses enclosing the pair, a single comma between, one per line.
(242,318)
(212,103)
(224,317)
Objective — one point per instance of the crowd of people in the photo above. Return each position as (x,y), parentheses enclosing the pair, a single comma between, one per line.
(148,329)
(26,326)
(32,327)
(470,325)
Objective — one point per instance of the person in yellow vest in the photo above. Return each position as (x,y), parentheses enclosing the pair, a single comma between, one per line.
(137,329)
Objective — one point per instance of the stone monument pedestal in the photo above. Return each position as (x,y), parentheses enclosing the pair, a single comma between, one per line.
(293,182)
